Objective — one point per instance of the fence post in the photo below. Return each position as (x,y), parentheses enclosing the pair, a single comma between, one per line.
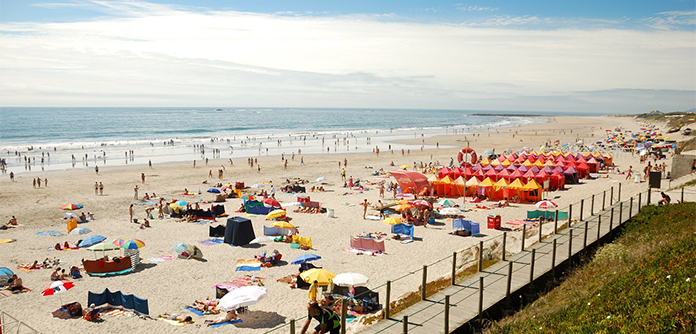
(292,326)
(480,309)
(447,310)
(555,222)
(344,310)
(599,226)
(592,206)
(620,213)
(425,281)
(619,195)
(524,232)
(611,196)
(649,196)
(630,209)
(639,200)
(405,321)
(570,214)
(531,266)
(582,207)
(570,243)
(584,237)
(611,220)
(386,309)
(553,259)
(541,225)
(682,195)
(454,267)
(480,259)
(604,199)
(504,239)
(509,279)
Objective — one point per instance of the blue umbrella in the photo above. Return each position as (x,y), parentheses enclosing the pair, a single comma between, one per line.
(305,258)
(489,152)
(181,203)
(214,190)
(5,274)
(79,231)
(92,240)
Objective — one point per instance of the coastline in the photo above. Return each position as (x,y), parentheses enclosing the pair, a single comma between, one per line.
(180,282)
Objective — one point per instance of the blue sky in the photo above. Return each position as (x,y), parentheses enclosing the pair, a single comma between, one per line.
(590,56)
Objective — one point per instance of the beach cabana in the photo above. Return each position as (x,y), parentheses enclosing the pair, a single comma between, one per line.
(499,189)
(444,172)
(444,186)
(472,185)
(411,181)
(514,189)
(486,187)
(583,170)
(479,174)
(571,175)
(532,191)
(491,174)
(458,187)
(593,165)
(557,181)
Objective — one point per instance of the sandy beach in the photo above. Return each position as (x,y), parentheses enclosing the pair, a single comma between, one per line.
(170,285)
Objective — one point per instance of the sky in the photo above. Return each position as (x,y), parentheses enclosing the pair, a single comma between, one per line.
(572,56)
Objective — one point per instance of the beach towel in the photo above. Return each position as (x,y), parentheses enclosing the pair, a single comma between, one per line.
(176,322)
(372,217)
(194,311)
(24,290)
(248,265)
(27,270)
(53,233)
(242,281)
(212,242)
(225,323)
(162,258)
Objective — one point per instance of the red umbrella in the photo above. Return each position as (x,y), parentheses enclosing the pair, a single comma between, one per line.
(57,287)
(272,202)
(422,203)
(546,205)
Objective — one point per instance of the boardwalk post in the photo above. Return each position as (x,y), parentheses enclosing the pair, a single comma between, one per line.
(480,310)
(570,214)
(454,267)
(386,308)
(405,321)
(541,225)
(344,310)
(599,226)
(509,279)
(570,243)
(611,196)
(425,281)
(582,207)
(447,310)
(292,326)
(584,236)
(604,199)
(630,209)
(639,200)
(504,239)
(620,213)
(553,259)
(480,259)
(524,232)
(682,195)
(611,220)
(531,266)
(555,222)
(592,206)
(619,192)
(648,196)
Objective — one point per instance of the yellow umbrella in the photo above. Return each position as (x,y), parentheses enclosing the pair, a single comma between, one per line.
(392,220)
(283,224)
(175,207)
(276,214)
(405,166)
(322,276)
(403,201)
(403,207)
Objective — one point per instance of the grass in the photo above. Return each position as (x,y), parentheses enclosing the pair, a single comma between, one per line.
(643,282)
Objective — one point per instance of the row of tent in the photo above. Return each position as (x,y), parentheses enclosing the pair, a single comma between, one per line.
(530,191)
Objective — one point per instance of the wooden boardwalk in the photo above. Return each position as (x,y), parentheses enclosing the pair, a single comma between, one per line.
(428,316)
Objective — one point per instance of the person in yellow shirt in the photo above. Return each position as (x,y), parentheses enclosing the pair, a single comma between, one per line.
(313,291)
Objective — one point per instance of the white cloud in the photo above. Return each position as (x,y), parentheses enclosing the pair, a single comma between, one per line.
(160,55)
(671,20)
(474,8)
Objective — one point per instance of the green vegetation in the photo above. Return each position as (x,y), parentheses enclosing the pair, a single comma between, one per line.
(674,120)
(643,282)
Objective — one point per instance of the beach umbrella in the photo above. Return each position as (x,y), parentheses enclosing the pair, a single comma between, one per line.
(92,240)
(302,196)
(322,276)
(248,197)
(422,203)
(256,185)
(5,274)
(104,246)
(181,203)
(405,166)
(350,279)
(403,201)
(79,231)
(305,258)
(133,244)
(272,202)
(276,214)
(283,224)
(241,297)
(450,211)
(263,239)
(392,220)
(489,152)
(321,179)
(70,215)
(118,241)
(57,287)
(403,207)
(187,251)
(545,205)
(71,207)
(213,190)
(446,202)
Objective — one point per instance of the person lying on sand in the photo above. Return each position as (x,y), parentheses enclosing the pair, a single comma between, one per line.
(179,318)
(229,316)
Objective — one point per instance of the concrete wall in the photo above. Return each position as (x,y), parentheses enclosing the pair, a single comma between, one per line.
(681,165)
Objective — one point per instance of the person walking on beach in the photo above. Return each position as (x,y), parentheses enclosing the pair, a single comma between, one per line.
(135,190)
(34,183)
(38,181)
(130,212)
(343,174)
(142,176)
(46,182)
(12,174)
(96,188)
(313,289)
(629,172)
(365,204)
(96,169)
(101,189)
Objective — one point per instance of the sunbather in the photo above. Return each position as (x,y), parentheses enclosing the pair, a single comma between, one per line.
(177,317)
(16,284)
(55,275)
(229,316)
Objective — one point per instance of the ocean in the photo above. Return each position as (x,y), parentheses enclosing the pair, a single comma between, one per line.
(45,139)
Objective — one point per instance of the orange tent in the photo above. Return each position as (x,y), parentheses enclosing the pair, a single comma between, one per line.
(458,187)
(514,189)
(532,191)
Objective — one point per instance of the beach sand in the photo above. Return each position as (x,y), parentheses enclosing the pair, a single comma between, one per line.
(170,285)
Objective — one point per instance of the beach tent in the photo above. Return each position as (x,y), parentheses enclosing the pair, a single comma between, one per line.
(5,275)
(499,189)
(593,165)
(458,187)
(413,181)
(486,187)
(532,191)
(492,174)
(472,185)
(571,175)
(444,186)
(217,231)
(583,170)
(239,231)
(557,181)
(401,228)
(117,298)
(514,189)
(444,172)
(480,174)
(257,207)
(523,169)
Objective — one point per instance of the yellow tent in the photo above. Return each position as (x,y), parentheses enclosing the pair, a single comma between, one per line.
(486,183)
(446,180)
(539,164)
(527,163)
(495,162)
(517,184)
(459,187)
(485,162)
(530,187)
(502,183)
(506,163)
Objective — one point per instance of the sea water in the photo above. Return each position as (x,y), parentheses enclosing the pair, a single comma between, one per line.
(38,139)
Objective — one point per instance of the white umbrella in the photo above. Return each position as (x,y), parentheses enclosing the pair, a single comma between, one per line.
(244,296)
(259,240)
(546,205)
(256,185)
(321,179)
(450,211)
(350,279)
